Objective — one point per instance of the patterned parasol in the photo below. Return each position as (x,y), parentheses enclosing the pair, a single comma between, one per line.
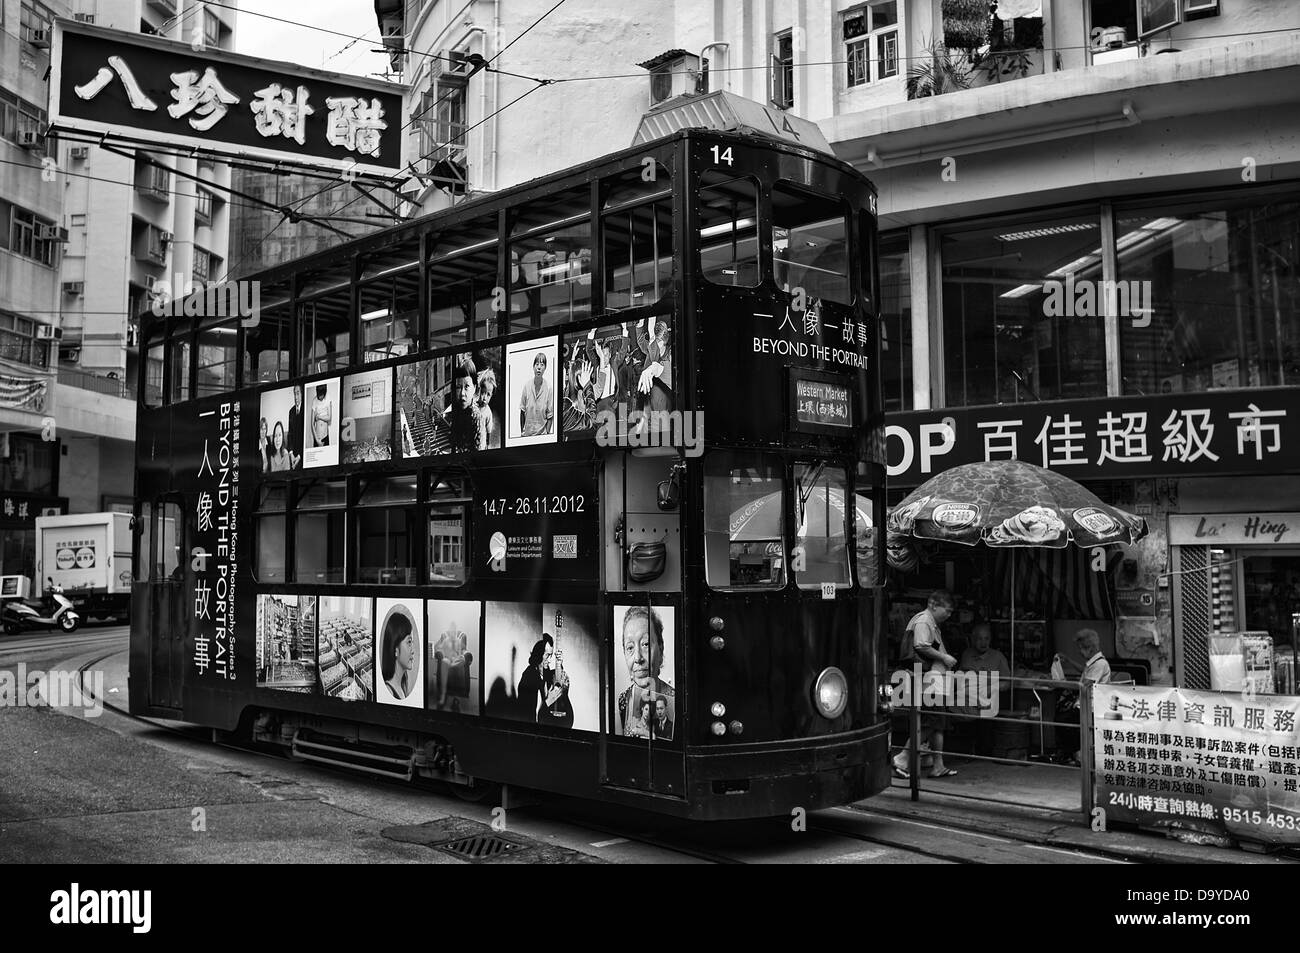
(1004,503)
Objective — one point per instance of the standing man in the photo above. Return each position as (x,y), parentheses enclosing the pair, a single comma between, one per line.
(923,642)
(536,406)
(295,429)
(1095,670)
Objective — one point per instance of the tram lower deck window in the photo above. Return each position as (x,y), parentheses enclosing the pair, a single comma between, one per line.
(810,244)
(744,521)
(821,546)
(387,537)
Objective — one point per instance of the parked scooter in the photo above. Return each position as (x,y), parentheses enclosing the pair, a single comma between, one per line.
(55,611)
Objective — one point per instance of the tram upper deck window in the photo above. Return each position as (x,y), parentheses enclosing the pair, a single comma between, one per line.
(728,209)
(744,521)
(178,354)
(810,244)
(462,276)
(218,353)
(324,324)
(386,518)
(266,344)
(550,259)
(638,233)
(153,373)
(390,304)
(821,544)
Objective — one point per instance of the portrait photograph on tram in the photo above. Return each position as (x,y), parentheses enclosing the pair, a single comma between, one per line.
(645,641)
(454,653)
(542,664)
(367,425)
(400,641)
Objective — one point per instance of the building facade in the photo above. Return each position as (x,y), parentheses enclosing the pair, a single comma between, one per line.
(85,232)
(1090,242)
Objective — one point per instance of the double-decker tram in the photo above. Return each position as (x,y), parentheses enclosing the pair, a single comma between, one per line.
(576,487)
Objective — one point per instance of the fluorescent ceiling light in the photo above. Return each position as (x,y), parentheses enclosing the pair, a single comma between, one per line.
(1047,231)
(373,315)
(1075,266)
(725,227)
(1021,291)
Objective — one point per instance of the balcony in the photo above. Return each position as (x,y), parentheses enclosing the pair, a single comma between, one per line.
(153,182)
(111,386)
(167,7)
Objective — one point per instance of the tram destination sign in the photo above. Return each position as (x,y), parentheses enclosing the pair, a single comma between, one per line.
(1219,433)
(819,402)
(138,88)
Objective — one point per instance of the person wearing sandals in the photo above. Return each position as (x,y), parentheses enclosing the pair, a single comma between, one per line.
(923,642)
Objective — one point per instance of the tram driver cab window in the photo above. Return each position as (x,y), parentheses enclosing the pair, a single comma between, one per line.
(821,544)
(728,236)
(744,521)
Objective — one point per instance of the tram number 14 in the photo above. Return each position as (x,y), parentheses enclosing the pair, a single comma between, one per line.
(721,155)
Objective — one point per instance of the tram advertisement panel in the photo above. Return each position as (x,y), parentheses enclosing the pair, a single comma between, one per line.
(541,663)
(537,524)
(205,456)
(798,369)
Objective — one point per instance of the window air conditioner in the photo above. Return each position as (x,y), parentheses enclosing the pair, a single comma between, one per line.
(29,138)
(51,233)
(73,287)
(452,67)
(84,17)
(38,38)
(672,74)
(47,332)
(79,152)
(165,237)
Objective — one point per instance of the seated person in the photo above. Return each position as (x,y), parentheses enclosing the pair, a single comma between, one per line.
(1095,670)
(982,657)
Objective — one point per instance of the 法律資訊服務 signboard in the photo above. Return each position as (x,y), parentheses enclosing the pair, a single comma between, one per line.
(144,89)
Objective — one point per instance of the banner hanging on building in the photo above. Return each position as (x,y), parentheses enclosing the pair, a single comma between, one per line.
(1218,433)
(146,89)
(1214,762)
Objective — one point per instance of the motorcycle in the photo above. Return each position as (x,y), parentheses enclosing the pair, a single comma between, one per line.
(56,611)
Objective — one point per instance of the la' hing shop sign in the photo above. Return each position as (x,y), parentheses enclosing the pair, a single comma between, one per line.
(144,88)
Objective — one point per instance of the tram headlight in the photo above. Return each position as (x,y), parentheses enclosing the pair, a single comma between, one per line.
(718,709)
(716,623)
(718,728)
(737,727)
(831,692)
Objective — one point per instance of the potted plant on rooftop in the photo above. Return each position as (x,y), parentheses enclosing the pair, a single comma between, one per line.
(936,71)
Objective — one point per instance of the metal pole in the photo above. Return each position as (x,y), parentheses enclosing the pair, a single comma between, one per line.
(913,744)
(1085,749)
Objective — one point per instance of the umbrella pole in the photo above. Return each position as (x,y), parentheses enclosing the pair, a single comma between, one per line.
(1013,628)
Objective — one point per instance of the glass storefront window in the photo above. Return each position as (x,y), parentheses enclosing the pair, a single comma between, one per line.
(896,322)
(821,542)
(1216,285)
(744,516)
(1004,339)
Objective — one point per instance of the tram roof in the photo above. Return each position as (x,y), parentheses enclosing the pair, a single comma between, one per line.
(515,194)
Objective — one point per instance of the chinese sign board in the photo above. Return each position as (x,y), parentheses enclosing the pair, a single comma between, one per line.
(19,510)
(1214,762)
(213,558)
(821,403)
(143,88)
(1217,433)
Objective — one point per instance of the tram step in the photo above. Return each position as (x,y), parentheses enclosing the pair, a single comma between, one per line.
(354,757)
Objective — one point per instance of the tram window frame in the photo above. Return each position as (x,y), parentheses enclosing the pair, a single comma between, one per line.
(275,314)
(463,271)
(623,198)
(727,466)
(171,562)
(783,269)
(272,516)
(363,511)
(447,497)
(334,512)
(338,337)
(180,355)
(216,335)
(153,394)
(392,293)
(551,220)
(866,539)
(806,578)
(710,182)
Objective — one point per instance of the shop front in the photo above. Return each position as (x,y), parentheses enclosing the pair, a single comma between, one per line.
(1220,464)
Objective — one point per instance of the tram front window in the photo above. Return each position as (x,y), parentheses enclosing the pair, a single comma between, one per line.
(810,244)
(729,230)
(821,551)
(744,536)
